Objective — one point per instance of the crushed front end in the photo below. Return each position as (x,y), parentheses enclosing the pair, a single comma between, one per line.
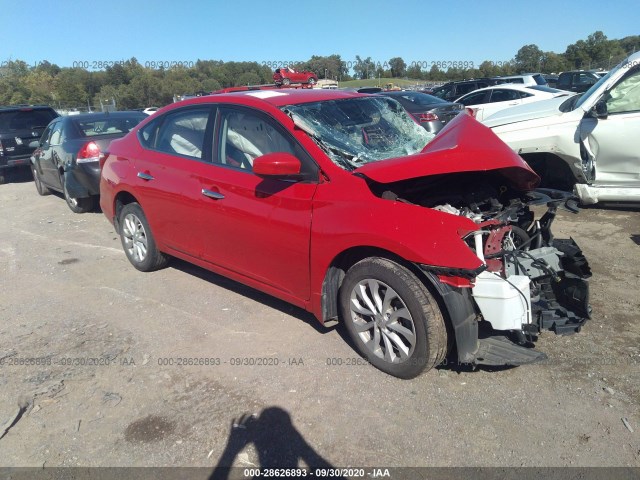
(529,280)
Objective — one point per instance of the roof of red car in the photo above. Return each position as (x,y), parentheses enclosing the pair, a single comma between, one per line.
(279,97)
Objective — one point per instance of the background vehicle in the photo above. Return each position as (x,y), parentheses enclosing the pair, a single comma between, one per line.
(407,237)
(577,80)
(287,76)
(67,156)
(431,112)
(452,90)
(485,102)
(19,126)
(524,79)
(588,142)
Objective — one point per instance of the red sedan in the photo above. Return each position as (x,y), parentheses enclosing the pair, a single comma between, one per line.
(340,203)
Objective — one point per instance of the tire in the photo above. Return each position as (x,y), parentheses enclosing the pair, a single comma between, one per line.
(404,334)
(286,81)
(312,81)
(77,205)
(40,187)
(137,240)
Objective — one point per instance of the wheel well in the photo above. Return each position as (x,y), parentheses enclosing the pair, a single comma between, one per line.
(553,170)
(344,261)
(122,199)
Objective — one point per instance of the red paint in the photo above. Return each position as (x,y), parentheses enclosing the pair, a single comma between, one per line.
(281,236)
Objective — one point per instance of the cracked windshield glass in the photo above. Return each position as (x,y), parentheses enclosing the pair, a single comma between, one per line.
(356,131)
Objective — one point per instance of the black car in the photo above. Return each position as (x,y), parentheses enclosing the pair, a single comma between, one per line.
(576,81)
(67,158)
(431,112)
(452,90)
(19,126)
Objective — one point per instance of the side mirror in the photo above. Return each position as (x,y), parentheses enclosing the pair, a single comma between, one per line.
(34,144)
(277,164)
(599,110)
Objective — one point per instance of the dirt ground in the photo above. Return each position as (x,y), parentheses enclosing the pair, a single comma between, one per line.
(114,367)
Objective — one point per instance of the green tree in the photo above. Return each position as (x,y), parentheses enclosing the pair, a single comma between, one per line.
(529,59)
(398,67)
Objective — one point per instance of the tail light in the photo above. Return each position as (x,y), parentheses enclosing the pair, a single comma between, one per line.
(90,152)
(426,117)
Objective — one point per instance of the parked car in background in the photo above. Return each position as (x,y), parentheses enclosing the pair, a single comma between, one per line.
(287,76)
(340,203)
(431,112)
(577,80)
(485,102)
(588,142)
(66,158)
(19,126)
(452,90)
(524,79)
(552,80)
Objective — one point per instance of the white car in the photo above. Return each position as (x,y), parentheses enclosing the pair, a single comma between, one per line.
(484,102)
(590,142)
(524,79)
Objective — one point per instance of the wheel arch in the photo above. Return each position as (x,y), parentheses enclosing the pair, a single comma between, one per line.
(121,199)
(552,169)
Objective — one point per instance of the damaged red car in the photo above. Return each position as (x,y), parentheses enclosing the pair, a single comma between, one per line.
(341,204)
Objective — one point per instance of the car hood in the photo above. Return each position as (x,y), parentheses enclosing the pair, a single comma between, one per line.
(464,145)
(527,111)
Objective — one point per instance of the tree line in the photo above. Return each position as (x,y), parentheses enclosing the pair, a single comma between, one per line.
(133,85)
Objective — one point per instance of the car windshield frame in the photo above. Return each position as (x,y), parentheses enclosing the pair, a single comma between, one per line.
(356,131)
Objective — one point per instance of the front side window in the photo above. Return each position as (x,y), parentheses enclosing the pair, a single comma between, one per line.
(504,95)
(181,133)
(625,96)
(56,135)
(245,136)
(476,98)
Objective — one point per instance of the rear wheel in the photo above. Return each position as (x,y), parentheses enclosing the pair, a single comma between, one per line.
(392,318)
(137,240)
(77,205)
(286,81)
(40,187)
(312,81)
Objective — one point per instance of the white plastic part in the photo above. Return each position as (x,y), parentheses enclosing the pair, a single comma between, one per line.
(502,305)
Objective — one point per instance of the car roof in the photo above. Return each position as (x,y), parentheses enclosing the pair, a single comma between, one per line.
(278,97)
(24,107)
(504,86)
(101,115)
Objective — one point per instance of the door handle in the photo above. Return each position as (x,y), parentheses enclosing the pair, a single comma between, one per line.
(210,194)
(145,176)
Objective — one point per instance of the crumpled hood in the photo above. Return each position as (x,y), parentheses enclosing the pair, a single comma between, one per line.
(464,145)
(528,111)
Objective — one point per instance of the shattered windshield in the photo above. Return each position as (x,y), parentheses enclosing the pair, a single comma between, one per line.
(356,131)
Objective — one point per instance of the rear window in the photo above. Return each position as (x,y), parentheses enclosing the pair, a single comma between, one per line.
(108,126)
(16,120)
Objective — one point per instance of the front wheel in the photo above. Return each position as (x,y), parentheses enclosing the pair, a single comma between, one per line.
(392,318)
(137,241)
(312,81)
(40,187)
(286,81)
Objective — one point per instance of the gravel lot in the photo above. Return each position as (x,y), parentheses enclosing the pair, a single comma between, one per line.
(109,380)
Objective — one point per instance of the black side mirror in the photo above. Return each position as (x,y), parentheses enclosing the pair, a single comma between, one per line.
(599,110)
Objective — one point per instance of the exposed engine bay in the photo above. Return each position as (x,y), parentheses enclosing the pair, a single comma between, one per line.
(531,280)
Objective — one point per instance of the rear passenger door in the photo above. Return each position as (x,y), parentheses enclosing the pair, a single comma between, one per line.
(176,154)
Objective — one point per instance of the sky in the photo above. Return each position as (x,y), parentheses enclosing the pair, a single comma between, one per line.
(80,33)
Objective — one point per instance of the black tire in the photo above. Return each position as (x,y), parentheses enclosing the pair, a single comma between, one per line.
(77,205)
(286,81)
(40,187)
(137,240)
(424,319)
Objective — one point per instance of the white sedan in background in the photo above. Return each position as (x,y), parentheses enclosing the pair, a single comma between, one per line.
(484,102)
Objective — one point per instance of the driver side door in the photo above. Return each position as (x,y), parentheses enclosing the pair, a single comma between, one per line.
(613,141)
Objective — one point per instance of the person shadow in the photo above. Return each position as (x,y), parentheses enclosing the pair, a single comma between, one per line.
(277,442)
